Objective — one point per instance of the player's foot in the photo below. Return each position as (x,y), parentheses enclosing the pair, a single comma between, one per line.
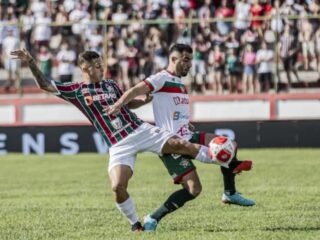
(237,199)
(137,227)
(243,166)
(150,224)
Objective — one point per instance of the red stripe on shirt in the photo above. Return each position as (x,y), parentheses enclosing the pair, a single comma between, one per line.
(68,88)
(173,90)
(148,85)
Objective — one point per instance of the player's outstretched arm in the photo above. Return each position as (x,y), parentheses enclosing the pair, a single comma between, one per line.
(139,89)
(39,77)
(136,103)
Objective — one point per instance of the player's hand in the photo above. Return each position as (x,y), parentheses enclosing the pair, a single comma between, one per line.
(23,55)
(148,98)
(191,127)
(114,109)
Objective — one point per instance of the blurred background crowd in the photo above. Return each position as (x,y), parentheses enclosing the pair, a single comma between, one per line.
(240,46)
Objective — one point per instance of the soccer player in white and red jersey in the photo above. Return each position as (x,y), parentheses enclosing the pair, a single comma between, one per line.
(171,112)
(124,133)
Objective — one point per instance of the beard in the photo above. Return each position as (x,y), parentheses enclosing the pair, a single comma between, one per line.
(184,73)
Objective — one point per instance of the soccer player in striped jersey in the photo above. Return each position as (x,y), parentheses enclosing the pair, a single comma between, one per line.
(171,112)
(124,132)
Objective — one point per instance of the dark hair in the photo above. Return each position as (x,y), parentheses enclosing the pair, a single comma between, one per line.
(180,47)
(87,56)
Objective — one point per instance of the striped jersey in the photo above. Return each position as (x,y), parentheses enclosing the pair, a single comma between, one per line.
(170,103)
(91,99)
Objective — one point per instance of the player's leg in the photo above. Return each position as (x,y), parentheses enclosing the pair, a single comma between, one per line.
(183,172)
(160,141)
(230,194)
(176,145)
(119,176)
(122,157)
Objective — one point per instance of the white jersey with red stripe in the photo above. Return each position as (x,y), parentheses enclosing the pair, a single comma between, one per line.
(170,103)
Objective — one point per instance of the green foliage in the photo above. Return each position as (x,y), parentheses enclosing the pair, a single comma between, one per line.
(69,197)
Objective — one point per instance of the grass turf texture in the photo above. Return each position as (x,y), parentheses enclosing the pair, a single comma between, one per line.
(69,197)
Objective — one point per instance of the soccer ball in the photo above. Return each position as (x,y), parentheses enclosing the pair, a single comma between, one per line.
(222,150)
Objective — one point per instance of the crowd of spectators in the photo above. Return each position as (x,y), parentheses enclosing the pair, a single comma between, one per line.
(235,54)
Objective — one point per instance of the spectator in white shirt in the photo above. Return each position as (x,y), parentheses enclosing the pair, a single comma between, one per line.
(10,43)
(95,41)
(119,15)
(27,21)
(242,13)
(276,20)
(38,7)
(42,30)
(76,16)
(264,59)
(66,59)
(70,5)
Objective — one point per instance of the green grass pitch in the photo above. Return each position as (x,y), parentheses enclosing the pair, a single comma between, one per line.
(69,197)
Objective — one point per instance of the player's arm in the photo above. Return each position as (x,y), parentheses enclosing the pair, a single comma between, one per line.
(39,77)
(139,89)
(136,103)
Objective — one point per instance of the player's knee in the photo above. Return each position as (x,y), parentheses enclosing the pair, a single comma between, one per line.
(118,188)
(195,190)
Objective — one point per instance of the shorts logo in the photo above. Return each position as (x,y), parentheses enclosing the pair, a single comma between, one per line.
(175,156)
(156,130)
(185,163)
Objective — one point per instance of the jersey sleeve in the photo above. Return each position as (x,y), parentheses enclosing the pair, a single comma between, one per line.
(155,82)
(66,90)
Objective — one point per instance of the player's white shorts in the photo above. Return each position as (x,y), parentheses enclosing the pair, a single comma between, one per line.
(146,138)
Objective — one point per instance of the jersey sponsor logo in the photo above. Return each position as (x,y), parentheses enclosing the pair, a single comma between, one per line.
(89,100)
(99,97)
(104,96)
(180,100)
(179,115)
